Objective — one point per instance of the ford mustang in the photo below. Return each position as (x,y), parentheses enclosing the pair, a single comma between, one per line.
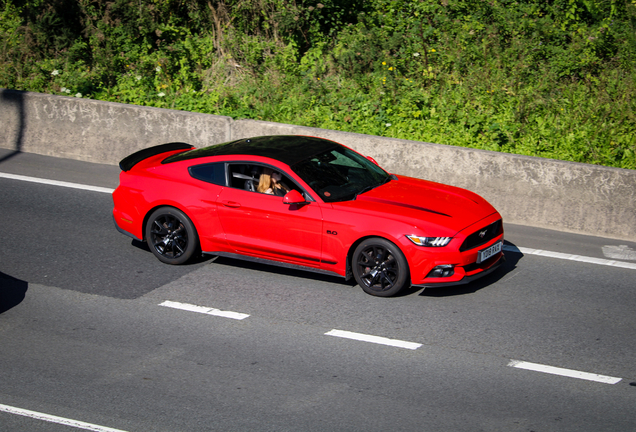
(310,203)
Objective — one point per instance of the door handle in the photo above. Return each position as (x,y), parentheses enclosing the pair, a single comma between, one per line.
(232,204)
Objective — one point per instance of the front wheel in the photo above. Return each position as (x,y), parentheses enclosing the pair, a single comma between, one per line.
(171,235)
(380,267)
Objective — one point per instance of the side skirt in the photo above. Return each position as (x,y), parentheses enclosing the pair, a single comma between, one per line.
(272,262)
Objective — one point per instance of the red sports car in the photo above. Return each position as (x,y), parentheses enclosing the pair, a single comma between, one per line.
(306,202)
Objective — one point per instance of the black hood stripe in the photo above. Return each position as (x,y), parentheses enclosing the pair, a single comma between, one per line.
(399,204)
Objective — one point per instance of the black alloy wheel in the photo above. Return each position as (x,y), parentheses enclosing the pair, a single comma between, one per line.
(380,267)
(171,235)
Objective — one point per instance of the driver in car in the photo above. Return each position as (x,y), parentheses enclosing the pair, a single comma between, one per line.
(270,183)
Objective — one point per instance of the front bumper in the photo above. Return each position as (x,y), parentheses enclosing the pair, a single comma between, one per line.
(497,261)
(462,255)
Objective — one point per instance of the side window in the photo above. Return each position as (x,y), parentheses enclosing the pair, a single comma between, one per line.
(211,173)
(245,176)
(248,176)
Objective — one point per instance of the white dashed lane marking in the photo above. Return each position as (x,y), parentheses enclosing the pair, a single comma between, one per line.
(563,372)
(374,339)
(402,344)
(55,419)
(204,310)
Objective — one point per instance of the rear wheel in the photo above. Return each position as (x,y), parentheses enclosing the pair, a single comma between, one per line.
(380,267)
(171,235)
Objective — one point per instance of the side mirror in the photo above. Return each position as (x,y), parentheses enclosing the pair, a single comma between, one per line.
(293,197)
(373,160)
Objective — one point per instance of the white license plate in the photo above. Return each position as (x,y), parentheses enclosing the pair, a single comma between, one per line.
(484,254)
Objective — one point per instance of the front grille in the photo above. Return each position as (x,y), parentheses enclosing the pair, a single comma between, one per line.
(482,236)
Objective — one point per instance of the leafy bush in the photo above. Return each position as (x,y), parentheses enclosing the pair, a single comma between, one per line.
(553,79)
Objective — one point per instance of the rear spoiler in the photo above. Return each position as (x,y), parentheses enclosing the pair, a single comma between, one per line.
(130,161)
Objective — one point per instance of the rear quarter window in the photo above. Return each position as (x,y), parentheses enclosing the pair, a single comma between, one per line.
(211,173)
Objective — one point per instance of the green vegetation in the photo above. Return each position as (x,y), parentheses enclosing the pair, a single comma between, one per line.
(550,78)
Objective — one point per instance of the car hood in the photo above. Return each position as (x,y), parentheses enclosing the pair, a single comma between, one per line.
(424,204)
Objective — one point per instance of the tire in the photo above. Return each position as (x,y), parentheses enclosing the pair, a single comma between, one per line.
(171,236)
(380,267)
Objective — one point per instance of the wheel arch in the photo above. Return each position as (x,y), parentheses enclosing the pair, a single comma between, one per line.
(354,245)
(378,275)
(173,205)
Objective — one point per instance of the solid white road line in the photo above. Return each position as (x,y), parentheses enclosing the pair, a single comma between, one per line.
(374,339)
(204,310)
(525,251)
(56,183)
(55,419)
(563,372)
(579,258)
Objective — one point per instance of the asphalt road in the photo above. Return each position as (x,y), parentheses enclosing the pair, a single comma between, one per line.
(85,334)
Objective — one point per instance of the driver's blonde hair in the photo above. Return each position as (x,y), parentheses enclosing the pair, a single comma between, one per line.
(265,180)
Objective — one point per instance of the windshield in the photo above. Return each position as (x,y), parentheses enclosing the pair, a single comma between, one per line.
(340,174)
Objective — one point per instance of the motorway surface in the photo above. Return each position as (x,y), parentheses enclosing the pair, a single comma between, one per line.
(97,334)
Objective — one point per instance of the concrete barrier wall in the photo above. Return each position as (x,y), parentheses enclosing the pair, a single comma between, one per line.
(96,131)
(537,192)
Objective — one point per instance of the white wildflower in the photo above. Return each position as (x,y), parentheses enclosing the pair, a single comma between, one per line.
(138,77)
(79,95)
(162,94)
(388,125)
(158,68)
(416,54)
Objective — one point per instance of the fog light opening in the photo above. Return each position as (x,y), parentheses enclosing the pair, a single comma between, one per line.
(442,271)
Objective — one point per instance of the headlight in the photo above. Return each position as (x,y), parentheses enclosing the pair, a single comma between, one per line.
(429,241)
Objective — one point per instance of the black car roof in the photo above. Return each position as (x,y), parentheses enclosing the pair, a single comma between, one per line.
(288,149)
